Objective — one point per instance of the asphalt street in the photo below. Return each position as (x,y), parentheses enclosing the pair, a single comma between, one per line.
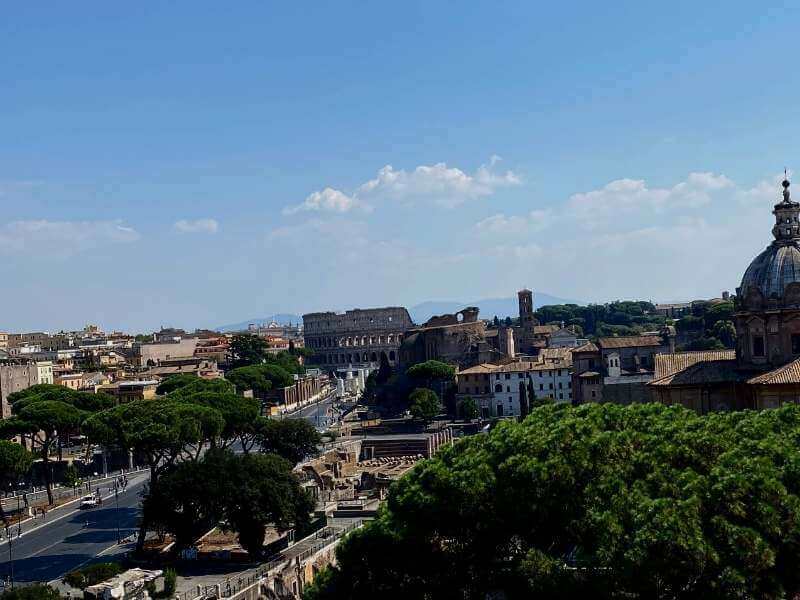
(71,537)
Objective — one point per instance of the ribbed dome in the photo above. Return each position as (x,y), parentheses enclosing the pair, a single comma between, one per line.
(773,270)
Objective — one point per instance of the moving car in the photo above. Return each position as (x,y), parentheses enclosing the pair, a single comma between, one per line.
(89,502)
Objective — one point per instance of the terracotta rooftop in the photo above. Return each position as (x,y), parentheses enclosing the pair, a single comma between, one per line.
(695,368)
(587,347)
(545,329)
(788,373)
(630,341)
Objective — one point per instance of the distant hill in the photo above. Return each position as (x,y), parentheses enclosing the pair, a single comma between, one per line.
(280,319)
(489,307)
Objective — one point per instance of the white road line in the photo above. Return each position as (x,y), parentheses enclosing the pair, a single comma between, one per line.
(55,519)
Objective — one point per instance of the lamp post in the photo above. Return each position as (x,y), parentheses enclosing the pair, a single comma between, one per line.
(10,558)
(19,519)
(116,509)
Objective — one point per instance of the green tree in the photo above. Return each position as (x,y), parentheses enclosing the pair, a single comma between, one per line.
(15,462)
(36,591)
(163,431)
(48,414)
(247,349)
(469,409)
(221,386)
(172,383)
(425,404)
(72,477)
(266,493)
(249,378)
(725,332)
(431,370)
(595,501)
(241,416)
(260,490)
(291,439)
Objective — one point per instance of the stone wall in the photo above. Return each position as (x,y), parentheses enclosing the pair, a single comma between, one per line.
(14,378)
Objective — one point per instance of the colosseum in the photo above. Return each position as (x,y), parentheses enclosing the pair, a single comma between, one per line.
(357,336)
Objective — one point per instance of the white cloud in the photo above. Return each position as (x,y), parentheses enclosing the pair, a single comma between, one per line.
(63,236)
(196,226)
(328,200)
(438,183)
(501,224)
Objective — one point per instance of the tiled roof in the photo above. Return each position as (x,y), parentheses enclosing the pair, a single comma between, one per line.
(516,367)
(631,341)
(545,329)
(587,347)
(788,373)
(696,368)
(555,353)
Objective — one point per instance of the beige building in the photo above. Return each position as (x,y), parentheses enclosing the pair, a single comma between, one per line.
(73,381)
(128,391)
(44,370)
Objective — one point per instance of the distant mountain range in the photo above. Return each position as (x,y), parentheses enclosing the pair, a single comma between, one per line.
(489,307)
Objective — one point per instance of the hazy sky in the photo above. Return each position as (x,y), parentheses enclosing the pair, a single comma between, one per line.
(194,164)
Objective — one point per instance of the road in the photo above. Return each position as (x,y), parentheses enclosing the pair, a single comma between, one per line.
(71,536)
(66,542)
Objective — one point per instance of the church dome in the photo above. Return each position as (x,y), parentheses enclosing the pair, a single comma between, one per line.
(778,267)
(773,270)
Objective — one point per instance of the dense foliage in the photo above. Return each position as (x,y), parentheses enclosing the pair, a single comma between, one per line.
(45,415)
(170,384)
(36,591)
(15,461)
(710,325)
(260,378)
(600,320)
(291,439)
(597,501)
(245,493)
(431,370)
(425,404)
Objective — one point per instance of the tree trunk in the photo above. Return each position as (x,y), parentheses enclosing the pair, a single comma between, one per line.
(48,474)
(140,539)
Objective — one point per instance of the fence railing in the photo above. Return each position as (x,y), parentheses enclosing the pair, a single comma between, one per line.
(231,588)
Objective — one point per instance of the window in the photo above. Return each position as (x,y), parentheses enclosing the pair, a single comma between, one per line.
(758,345)
(508,375)
(508,389)
(498,388)
(541,373)
(593,394)
(561,396)
(541,387)
(499,410)
(591,363)
(795,343)
(550,386)
(560,385)
(519,375)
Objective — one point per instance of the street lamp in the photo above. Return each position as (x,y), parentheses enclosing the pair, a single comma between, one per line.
(116,510)
(10,558)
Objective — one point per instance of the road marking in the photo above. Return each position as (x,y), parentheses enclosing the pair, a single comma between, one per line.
(53,520)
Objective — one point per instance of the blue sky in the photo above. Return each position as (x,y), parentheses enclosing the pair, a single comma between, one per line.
(195,163)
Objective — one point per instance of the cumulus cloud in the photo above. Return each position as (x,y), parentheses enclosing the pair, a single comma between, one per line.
(196,226)
(63,236)
(437,183)
(624,196)
(327,200)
